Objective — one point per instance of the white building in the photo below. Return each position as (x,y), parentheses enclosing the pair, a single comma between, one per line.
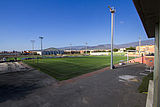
(98,53)
(121,50)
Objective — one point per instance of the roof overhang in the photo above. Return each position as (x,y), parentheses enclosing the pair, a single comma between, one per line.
(149,11)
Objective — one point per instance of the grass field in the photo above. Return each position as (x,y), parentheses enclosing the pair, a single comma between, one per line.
(66,68)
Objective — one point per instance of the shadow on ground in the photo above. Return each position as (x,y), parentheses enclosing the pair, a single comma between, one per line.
(14,92)
(17,85)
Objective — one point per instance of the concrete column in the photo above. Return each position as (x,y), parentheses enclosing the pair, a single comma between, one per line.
(158,67)
(156,100)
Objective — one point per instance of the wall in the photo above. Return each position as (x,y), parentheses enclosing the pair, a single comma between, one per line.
(147,48)
(148,60)
(99,53)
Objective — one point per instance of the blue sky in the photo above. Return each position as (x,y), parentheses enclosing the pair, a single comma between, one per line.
(62,22)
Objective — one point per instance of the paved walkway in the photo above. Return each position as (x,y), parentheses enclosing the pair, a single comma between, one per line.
(13,67)
(111,88)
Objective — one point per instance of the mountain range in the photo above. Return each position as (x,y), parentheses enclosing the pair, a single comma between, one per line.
(107,46)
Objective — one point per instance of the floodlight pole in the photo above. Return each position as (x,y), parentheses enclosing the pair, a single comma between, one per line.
(41,45)
(32,41)
(139,46)
(86,47)
(112,10)
(70,49)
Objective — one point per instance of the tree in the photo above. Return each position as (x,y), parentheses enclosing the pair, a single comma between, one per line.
(115,49)
(131,48)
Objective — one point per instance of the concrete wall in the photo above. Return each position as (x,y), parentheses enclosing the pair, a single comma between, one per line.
(100,53)
(149,102)
(148,60)
(156,98)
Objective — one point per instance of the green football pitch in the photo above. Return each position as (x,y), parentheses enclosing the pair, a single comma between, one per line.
(69,67)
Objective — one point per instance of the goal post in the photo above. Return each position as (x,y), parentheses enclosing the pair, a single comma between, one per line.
(132,53)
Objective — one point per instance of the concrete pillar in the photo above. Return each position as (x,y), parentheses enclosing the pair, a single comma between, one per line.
(156,100)
(158,66)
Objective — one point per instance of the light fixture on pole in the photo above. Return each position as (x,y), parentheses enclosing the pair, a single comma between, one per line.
(41,45)
(112,10)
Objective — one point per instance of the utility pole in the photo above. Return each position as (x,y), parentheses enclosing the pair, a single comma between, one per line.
(112,10)
(32,41)
(139,46)
(41,38)
(70,48)
(86,47)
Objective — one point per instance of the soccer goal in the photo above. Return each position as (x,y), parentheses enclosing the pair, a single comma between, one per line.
(132,53)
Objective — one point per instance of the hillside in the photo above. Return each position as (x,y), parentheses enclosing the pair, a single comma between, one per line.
(107,46)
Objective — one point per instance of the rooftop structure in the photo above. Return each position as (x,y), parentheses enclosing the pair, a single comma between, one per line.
(149,12)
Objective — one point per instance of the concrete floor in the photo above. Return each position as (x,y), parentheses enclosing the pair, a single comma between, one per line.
(13,67)
(105,89)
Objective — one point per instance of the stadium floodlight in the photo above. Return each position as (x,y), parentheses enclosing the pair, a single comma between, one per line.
(41,45)
(32,41)
(112,10)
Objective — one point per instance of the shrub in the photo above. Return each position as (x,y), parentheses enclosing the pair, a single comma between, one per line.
(145,82)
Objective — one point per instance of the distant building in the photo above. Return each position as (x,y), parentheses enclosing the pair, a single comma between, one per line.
(145,49)
(71,51)
(39,52)
(99,52)
(10,53)
(121,50)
